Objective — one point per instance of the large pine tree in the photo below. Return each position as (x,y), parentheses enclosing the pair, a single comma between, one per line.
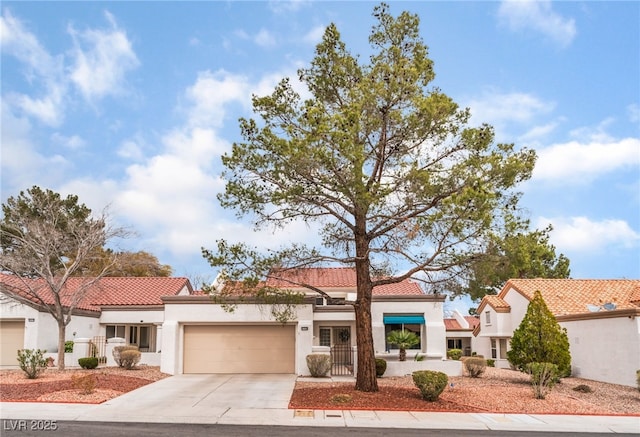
(540,339)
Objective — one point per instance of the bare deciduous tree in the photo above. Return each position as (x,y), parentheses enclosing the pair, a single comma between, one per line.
(44,239)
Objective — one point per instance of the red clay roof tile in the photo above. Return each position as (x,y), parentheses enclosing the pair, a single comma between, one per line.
(339,277)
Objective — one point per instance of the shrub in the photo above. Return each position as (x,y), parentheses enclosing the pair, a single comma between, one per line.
(117,351)
(491,363)
(68,346)
(88,363)
(419,357)
(86,383)
(540,339)
(454,354)
(319,364)
(130,358)
(430,383)
(381,367)
(638,378)
(475,366)
(543,377)
(404,340)
(32,362)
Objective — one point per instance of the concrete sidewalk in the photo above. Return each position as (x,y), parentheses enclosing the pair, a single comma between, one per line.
(263,400)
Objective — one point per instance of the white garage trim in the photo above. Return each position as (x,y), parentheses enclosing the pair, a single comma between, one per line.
(11,339)
(239,348)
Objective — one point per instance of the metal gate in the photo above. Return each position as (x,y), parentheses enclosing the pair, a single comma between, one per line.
(342,358)
(98,349)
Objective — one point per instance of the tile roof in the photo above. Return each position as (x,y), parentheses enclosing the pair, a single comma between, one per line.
(577,296)
(109,291)
(496,302)
(340,277)
(451,324)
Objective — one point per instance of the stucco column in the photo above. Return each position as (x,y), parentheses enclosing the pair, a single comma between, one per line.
(436,340)
(379,340)
(304,345)
(111,343)
(158,348)
(170,358)
(80,350)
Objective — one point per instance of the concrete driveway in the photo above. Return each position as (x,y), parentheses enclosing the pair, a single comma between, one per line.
(194,397)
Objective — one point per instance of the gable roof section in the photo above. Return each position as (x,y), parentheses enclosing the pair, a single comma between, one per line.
(109,291)
(495,302)
(340,277)
(579,296)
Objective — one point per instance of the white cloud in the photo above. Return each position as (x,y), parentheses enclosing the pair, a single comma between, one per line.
(576,162)
(22,166)
(102,59)
(211,92)
(314,35)
(498,107)
(74,142)
(264,38)
(508,111)
(539,16)
(287,6)
(581,233)
(42,69)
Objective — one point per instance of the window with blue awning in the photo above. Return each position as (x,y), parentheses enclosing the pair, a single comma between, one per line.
(404,320)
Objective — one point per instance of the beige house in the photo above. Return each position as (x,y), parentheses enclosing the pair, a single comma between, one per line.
(184,331)
(602,319)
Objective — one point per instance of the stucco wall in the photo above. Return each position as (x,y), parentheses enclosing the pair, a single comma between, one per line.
(177,315)
(605,349)
(123,316)
(434,332)
(41,329)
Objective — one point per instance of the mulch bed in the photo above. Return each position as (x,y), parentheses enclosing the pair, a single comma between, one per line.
(32,391)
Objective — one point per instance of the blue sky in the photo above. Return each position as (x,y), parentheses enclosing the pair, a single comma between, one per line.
(131,104)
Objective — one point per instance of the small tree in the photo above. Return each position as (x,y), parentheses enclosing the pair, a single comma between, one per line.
(44,239)
(540,339)
(404,340)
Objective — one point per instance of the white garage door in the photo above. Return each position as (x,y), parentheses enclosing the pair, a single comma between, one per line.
(239,349)
(11,339)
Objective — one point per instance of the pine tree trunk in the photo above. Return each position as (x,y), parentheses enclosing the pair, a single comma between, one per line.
(366,379)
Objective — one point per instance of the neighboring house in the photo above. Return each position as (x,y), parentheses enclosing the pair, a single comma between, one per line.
(602,319)
(130,308)
(201,337)
(460,332)
(186,332)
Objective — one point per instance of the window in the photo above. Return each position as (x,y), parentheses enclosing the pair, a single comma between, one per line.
(487,317)
(319,301)
(503,348)
(325,337)
(399,327)
(454,343)
(494,352)
(115,331)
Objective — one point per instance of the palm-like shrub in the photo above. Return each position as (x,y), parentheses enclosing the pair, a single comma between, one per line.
(404,340)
